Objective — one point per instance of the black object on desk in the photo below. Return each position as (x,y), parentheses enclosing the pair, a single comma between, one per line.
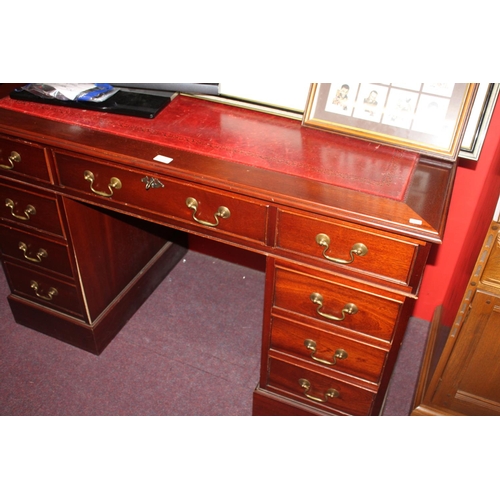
(124,102)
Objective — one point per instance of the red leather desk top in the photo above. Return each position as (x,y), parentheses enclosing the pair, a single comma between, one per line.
(253,138)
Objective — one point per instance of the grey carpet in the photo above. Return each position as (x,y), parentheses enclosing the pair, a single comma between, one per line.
(192,349)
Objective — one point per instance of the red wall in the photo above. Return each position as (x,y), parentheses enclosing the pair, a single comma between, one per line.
(475,195)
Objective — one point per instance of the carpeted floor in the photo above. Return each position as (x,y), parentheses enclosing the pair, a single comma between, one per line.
(192,349)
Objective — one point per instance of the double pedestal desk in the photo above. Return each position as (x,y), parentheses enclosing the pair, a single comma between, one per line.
(95,209)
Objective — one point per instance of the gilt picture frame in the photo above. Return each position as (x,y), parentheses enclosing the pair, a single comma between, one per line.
(426,117)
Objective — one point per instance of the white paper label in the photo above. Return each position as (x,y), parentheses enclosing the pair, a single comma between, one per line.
(418,222)
(163,159)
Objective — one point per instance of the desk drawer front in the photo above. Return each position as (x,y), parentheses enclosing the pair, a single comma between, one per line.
(317,389)
(22,159)
(347,245)
(336,303)
(205,208)
(30,209)
(44,289)
(35,250)
(327,350)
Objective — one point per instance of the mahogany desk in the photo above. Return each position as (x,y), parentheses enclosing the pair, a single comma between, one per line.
(95,208)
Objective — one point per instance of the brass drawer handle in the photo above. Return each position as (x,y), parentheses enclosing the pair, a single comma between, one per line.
(28,212)
(339,353)
(50,295)
(349,308)
(114,183)
(330,393)
(222,212)
(14,157)
(359,249)
(41,254)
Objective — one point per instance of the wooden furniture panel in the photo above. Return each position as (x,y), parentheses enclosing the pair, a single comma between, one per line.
(186,202)
(471,384)
(337,302)
(45,289)
(266,403)
(463,378)
(338,243)
(236,177)
(94,336)
(351,336)
(111,250)
(76,273)
(31,208)
(319,390)
(23,159)
(336,350)
(36,250)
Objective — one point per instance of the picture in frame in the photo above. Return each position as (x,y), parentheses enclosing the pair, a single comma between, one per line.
(426,117)
(479,120)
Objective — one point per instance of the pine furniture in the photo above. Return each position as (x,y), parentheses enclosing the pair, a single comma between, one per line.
(461,374)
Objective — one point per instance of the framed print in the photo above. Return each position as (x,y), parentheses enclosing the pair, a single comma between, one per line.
(425,117)
(479,120)
(290,96)
(286,99)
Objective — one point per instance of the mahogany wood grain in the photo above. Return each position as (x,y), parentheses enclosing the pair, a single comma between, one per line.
(376,315)
(111,249)
(388,257)
(425,201)
(41,252)
(285,378)
(66,298)
(31,162)
(363,360)
(95,337)
(265,403)
(247,218)
(122,241)
(46,214)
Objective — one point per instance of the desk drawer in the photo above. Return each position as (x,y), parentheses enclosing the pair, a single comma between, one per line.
(30,208)
(44,289)
(348,245)
(182,201)
(317,389)
(328,350)
(337,302)
(36,250)
(22,159)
